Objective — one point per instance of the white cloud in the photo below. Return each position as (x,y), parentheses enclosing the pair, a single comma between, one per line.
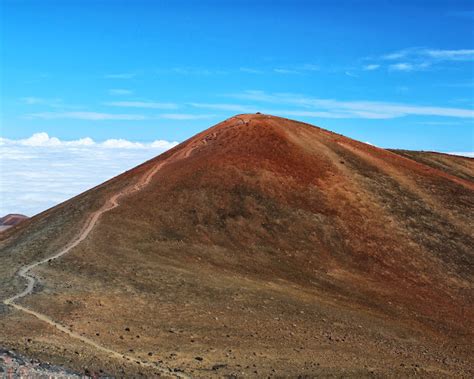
(459,85)
(190,71)
(44,140)
(436,123)
(225,107)
(40,139)
(162,144)
(96,116)
(277,112)
(351,74)
(402,67)
(93,116)
(455,55)
(349,109)
(371,67)
(125,75)
(396,55)
(285,71)
(302,113)
(310,67)
(251,70)
(294,69)
(419,58)
(120,91)
(469,154)
(41,171)
(142,104)
(122,144)
(185,116)
(33,100)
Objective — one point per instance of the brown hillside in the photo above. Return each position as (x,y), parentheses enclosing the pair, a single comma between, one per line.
(11,220)
(266,247)
(454,165)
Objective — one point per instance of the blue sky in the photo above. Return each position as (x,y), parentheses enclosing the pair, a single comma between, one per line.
(141,70)
(397,74)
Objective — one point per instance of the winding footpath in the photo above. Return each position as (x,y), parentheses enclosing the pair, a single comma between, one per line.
(31,280)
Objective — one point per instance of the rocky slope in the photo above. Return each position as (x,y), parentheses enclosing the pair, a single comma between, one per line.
(11,220)
(262,247)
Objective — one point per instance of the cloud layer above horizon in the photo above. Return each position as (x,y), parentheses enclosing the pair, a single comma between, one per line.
(42,171)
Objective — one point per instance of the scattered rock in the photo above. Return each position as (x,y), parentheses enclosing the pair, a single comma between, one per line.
(218,366)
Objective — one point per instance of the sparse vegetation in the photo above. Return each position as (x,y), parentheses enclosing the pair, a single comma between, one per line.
(272,249)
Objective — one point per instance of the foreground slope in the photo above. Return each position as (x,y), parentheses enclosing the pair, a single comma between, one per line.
(262,246)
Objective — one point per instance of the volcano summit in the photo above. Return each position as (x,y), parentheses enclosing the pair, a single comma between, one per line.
(259,247)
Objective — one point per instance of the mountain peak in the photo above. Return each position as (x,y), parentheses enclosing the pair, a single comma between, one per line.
(255,227)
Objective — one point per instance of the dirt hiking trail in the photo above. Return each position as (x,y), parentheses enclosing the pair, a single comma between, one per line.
(31,280)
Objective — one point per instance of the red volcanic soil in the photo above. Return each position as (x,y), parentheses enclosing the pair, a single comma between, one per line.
(266,247)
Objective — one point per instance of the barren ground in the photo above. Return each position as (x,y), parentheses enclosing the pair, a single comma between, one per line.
(261,247)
